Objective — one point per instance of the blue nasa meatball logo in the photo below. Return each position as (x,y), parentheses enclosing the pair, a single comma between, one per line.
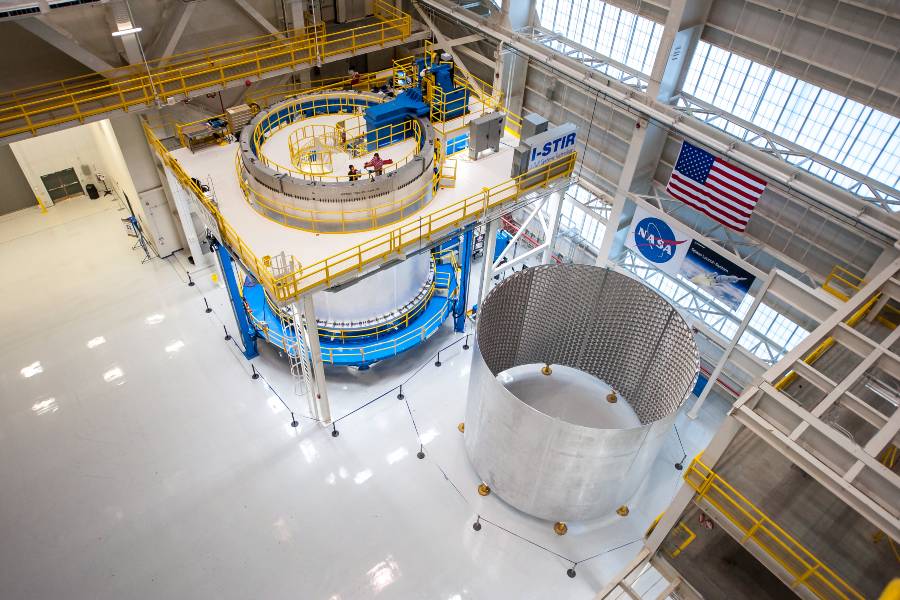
(655,240)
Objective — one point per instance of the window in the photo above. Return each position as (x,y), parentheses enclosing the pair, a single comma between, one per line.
(840,129)
(622,36)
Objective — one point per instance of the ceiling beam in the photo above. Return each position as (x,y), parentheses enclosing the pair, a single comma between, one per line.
(259,18)
(164,45)
(780,174)
(62,40)
(444,42)
(468,39)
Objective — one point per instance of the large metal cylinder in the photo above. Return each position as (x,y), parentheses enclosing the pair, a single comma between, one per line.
(607,325)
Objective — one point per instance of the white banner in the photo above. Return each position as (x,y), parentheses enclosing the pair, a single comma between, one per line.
(657,241)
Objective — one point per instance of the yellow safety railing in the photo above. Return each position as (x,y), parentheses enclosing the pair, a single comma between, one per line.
(401,321)
(414,233)
(347,219)
(690,536)
(28,110)
(271,95)
(798,562)
(351,139)
(841,283)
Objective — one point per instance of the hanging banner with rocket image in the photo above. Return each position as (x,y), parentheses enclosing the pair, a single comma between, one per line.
(659,242)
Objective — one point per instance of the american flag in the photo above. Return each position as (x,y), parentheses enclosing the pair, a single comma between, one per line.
(714,187)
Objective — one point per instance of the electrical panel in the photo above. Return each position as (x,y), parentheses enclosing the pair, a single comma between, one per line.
(485,133)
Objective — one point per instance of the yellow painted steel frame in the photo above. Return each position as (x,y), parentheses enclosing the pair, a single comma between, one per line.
(794,558)
(849,282)
(691,536)
(28,110)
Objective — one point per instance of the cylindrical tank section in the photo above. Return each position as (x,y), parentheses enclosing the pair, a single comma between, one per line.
(379,298)
(333,204)
(565,464)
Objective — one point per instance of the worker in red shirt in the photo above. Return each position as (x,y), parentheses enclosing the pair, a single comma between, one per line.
(377,164)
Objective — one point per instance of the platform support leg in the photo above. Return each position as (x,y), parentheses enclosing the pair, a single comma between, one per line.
(556,205)
(248,335)
(465,267)
(487,268)
(318,393)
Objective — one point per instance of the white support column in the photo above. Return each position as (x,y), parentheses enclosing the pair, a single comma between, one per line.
(318,395)
(298,18)
(612,228)
(726,354)
(487,267)
(556,204)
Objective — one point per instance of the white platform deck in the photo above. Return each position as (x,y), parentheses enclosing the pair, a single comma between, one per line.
(265,237)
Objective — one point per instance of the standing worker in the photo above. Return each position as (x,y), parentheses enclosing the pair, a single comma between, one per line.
(353,173)
(377,164)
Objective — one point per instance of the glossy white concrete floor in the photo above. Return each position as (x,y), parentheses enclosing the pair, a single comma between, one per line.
(138,459)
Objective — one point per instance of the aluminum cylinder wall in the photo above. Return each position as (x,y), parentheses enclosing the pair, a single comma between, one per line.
(336,206)
(603,323)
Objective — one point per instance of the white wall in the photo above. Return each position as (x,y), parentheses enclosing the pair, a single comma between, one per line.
(69,148)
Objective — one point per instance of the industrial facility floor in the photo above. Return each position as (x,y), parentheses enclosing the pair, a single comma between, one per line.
(216,164)
(139,459)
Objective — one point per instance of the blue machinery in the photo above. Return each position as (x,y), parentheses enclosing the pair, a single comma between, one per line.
(258,318)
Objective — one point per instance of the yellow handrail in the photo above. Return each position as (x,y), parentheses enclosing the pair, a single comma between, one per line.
(807,570)
(393,241)
(348,140)
(30,109)
(348,218)
(851,283)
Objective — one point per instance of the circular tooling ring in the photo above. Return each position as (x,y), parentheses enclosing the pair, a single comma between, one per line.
(540,457)
(332,204)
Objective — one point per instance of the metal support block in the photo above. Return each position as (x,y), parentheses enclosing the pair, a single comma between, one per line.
(248,335)
(465,267)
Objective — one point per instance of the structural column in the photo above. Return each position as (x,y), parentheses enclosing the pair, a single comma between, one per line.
(487,268)
(318,393)
(465,268)
(556,204)
(248,335)
(726,354)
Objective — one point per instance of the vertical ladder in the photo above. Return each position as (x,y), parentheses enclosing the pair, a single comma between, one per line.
(292,326)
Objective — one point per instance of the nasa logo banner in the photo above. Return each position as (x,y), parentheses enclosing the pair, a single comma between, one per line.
(716,275)
(657,241)
(671,250)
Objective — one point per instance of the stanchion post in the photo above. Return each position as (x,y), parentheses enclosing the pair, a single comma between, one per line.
(400,395)
(466,343)
(294,422)
(190,281)
(227,335)
(208,309)
(437,363)
(334,431)
(255,372)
